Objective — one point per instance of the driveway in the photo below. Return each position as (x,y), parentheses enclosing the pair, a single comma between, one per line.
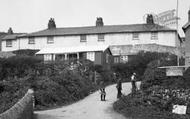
(88,108)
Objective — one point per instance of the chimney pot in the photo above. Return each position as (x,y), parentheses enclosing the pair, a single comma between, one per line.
(150,19)
(99,22)
(10,31)
(51,24)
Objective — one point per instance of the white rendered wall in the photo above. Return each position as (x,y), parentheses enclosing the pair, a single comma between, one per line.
(14,46)
(164,38)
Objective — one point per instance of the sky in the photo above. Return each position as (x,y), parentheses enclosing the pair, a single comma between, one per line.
(32,15)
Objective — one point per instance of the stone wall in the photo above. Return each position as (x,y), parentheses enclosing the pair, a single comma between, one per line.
(23,109)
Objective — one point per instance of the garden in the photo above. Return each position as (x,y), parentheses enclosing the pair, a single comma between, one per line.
(158,94)
(54,83)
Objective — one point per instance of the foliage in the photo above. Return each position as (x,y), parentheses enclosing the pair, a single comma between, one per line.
(139,64)
(11,92)
(107,76)
(157,76)
(17,66)
(139,107)
(158,93)
(54,83)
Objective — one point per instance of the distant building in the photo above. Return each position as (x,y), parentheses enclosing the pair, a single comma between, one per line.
(92,36)
(9,40)
(167,18)
(2,34)
(186,29)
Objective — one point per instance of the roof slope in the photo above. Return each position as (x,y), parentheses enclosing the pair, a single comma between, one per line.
(134,49)
(62,50)
(12,36)
(2,34)
(96,30)
(186,26)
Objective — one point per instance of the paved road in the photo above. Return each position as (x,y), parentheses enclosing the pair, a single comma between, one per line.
(89,108)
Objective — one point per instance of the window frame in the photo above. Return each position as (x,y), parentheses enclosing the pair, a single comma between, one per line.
(101,37)
(116,59)
(154,36)
(31,42)
(135,36)
(9,43)
(90,56)
(83,38)
(124,58)
(50,40)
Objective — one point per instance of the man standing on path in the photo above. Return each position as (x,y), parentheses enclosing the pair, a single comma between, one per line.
(119,88)
(133,83)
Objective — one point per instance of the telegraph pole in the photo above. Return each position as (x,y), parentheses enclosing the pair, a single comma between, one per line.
(177,31)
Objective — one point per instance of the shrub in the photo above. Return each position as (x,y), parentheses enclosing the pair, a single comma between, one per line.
(53,83)
(17,66)
(139,64)
(139,107)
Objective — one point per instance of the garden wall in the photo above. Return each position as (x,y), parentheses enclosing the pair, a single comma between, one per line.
(23,109)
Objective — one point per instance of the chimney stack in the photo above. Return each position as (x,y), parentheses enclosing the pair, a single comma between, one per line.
(150,19)
(99,22)
(10,31)
(51,24)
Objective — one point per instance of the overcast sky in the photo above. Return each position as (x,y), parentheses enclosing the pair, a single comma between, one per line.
(33,15)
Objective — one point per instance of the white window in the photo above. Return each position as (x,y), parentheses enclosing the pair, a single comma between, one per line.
(8,43)
(116,59)
(154,36)
(124,59)
(50,40)
(47,57)
(135,36)
(101,37)
(82,38)
(90,56)
(31,40)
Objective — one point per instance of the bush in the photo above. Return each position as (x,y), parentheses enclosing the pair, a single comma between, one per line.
(17,66)
(138,107)
(54,84)
(139,64)
(156,76)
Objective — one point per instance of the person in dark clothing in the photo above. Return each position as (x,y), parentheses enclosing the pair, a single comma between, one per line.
(119,88)
(102,91)
(102,94)
(133,83)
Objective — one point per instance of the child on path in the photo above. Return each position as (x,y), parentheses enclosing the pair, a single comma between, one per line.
(102,94)
(102,91)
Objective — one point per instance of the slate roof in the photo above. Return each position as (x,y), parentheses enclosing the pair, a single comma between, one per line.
(186,26)
(12,36)
(98,30)
(2,34)
(134,49)
(76,49)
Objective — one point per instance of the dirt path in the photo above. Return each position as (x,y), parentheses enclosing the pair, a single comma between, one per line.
(89,108)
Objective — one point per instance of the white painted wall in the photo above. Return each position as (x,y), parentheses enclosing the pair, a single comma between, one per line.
(164,38)
(14,46)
